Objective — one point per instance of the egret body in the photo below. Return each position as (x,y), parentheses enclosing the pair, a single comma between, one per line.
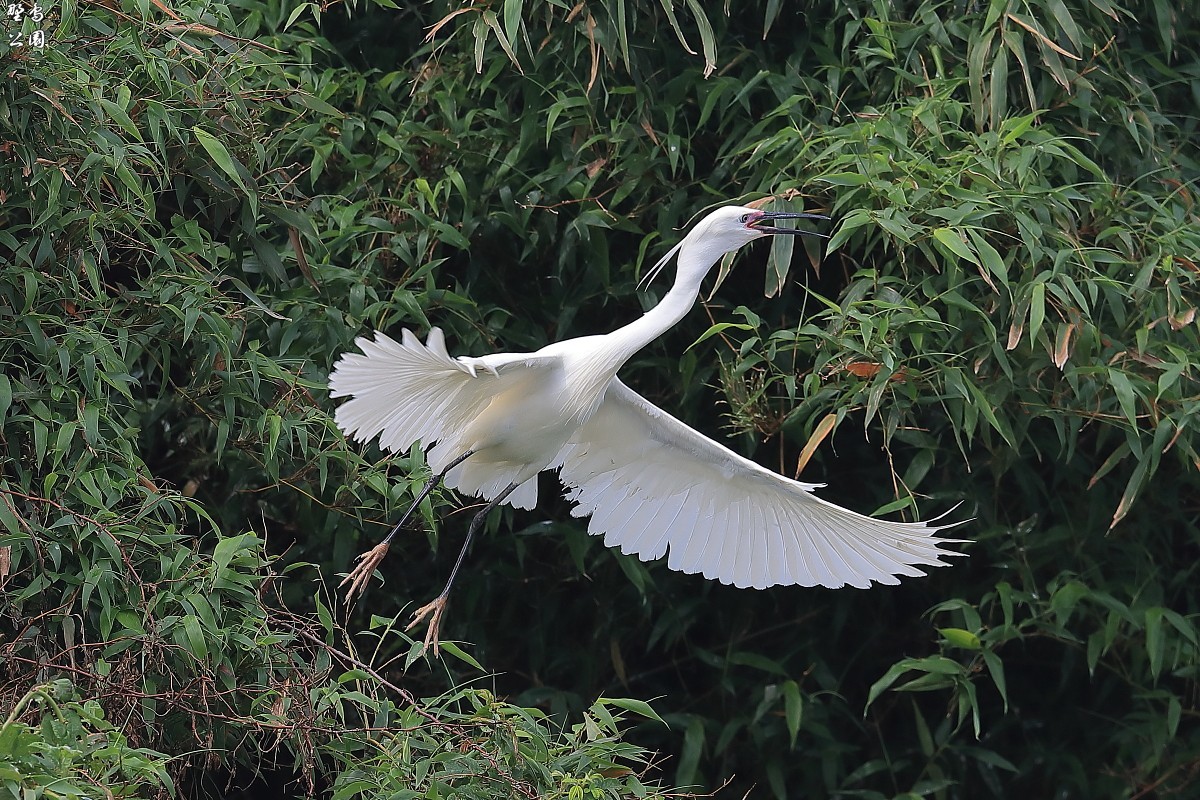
(652,485)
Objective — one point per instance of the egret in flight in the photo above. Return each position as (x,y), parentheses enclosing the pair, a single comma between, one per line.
(651,485)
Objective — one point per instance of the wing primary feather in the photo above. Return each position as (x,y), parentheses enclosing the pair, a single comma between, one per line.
(631,539)
(822,550)
(726,569)
(716,529)
(761,562)
(658,547)
(686,544)
(833,545)
(742,570)
(794,548)
(894,560)
(778,553)
(618,524)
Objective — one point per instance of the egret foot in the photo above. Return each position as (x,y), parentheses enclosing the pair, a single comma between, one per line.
(361,574)
(434,611)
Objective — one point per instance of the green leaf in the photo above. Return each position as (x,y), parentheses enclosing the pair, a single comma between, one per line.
(295,14)
(193,638)
(957,637)
(6,395)
(708,40)
(490,19)
(689,757)
(990,257)
(1174,714)
(757,661)
(779,264)
(217,151)
(460,654)
(324,616)
(1066,598)
(623,32)
(225,550)
(932,666)
(953,243)
(669,7)
(512,18)
(719,328)
(118,115)
(793,709)
(1155,643)
(1037,311)
(1125,395)
(639,707)
(996,670)
(7,518)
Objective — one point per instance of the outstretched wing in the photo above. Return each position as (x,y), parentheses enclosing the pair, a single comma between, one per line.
(654,486)
(407,392)
(403,391)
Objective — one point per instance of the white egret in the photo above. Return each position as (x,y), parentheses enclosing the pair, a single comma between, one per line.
(652,485)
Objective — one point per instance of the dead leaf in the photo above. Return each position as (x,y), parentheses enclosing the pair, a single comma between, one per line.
(863,369)
(1062,348)
(649,130)
(1182,319)
(1014,333)
(819,434)
(1043,37)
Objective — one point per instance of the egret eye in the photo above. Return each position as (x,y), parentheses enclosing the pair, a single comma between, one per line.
(745,218)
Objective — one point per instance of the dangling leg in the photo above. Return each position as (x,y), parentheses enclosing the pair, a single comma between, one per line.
(434,609)
(367,562)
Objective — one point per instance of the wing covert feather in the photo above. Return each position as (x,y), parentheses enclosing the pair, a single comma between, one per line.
(654,487)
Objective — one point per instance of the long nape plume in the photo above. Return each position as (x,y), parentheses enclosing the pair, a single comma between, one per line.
(652,273)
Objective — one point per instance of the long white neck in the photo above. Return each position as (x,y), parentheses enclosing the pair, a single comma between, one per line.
(694,262)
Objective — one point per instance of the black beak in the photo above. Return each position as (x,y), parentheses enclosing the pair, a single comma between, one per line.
(758,223)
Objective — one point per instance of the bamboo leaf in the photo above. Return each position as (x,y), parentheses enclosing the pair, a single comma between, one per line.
(490,19)
(793,709)
(953,243)
(1155,643)
(708,40)
(1037,311)
(996,671)
(957,637)
(1125,395)
(217,151)
(639,707)
(669,8)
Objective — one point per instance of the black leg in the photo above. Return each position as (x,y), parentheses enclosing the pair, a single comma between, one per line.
(429,486)
(367,562)
(475,523)
(434,609)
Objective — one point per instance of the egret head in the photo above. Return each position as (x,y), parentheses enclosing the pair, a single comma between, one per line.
(728,229)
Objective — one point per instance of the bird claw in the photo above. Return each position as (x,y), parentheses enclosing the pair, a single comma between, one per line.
(362,572)
(433,610)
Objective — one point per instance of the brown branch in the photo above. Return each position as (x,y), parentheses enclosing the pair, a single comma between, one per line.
(99,525)
(519,785)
